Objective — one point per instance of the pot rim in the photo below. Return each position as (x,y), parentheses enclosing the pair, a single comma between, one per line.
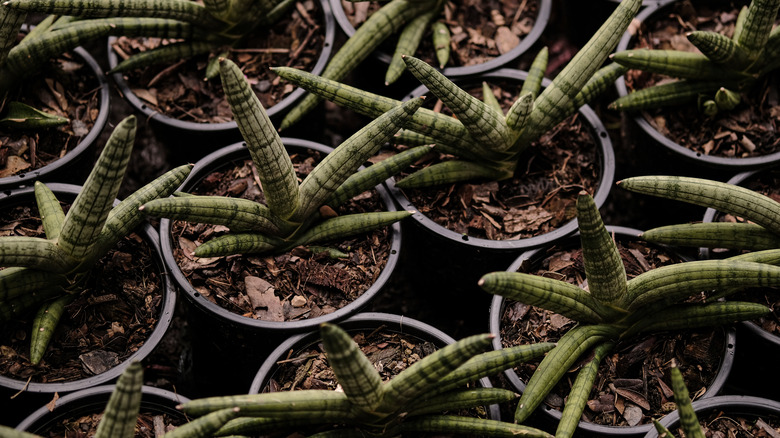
(44,173)
(542,18)
(745,405)
(496,309)
(362,320)
(607,162)
(154,397)
(166,243)
(278,110)
(726,163)
(167,307)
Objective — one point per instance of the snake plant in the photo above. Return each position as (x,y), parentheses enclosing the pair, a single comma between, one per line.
(195,27)
(291,215)
(759,231)
(366,406)
(688,420)
(716,74)
(487,142)
(46,273)
(615,308)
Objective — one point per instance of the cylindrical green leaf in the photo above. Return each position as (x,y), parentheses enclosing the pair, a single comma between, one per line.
(50,210)
(239,243)
(299,405)
(408,40)
(236,213)
(580,393)
(688,420)
(44,325)
(728,235)
(349,225)
(123,406)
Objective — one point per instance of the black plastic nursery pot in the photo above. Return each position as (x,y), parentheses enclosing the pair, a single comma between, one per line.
(648,135)
(20,397)
(154,401)
(728,407)
(504,60)
(225,338)
(194,140)
(447,263)
(533,258)
(367,322)
(73,166)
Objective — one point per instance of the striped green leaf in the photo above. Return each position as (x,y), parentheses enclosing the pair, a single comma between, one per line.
(123,406)
(519,111)
(408,40)
(355,373)
(368,178)
(257,425)
(557,362)
(314,405)
(720,49)
(693,316)
(239,243)
(44,324)
(688,420)
(580,392)
(274,166)
(484,123)
(10,24)
(49,209)
(9,432)
(728,198)
(16,281)
(758,23)
(727,99)
(147,27)
(446,424)
(548,293)
(163,55)
(236,213)
(441,42)
(88,213)
(17,306)
(675,63)
(489,99)
(349,225)
(769,256)
(603,265)
(673,283)
(663,432)
(667,94)
(461,399)
(34,252)
(715,235)
(533,82)
(424,375)
(448,172)
(205,425)
(602,80)
(380,25)
(344,161)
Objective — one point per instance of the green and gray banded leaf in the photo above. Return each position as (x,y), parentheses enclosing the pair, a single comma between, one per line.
(461,399)
(603,265)
(236,213)
(15,307)
(675,63)
(603,79)
(88,213)
(690,317)
(519,111)
(580,392)
(16,282)
(688,420)
(49,209)
(533,82)
(44,324)
(34,252)
(769,256)
(728,198)
(205,425)
(441,42)
(10,24)
(301,405)
(163,55)
(490,99)
(758,24)
(344,161)
(728,235)
(123,406)
(274,166)
(446,424)
(355,373)
(448,172)
(720,49)
(257,425)
(408,40)
(349,225)
(548,293)
(239,243)
(667,94)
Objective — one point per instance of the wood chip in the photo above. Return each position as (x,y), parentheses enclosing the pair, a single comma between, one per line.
(268,306)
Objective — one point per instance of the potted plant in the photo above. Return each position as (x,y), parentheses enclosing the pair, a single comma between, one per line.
(207,31)
(722,77)
(444,40)
(40,145)
(617,309)
(47,274)
(406,403)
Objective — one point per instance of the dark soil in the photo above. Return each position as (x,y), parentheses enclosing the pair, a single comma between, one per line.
(720,424)
(107,322)
(538,199)
(66,87)
(179,91)
(480,30)
(632,386)
(284,287)
(750,129)
(149,425)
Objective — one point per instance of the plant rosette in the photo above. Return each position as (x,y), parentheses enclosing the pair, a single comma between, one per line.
(735,415)
(83,409)
(739,139)
(503,31)
(391,342)
(707,355)
(266,298)
(75,87)
(161,93)
(122,319)
(472,240)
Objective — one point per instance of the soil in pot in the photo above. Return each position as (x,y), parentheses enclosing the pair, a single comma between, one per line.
(538,199)
(149,425)
(66,87)
(292,286)
(179,91)
(631,387)
(109,321)
(721,423)
(480,30)
(749,130)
